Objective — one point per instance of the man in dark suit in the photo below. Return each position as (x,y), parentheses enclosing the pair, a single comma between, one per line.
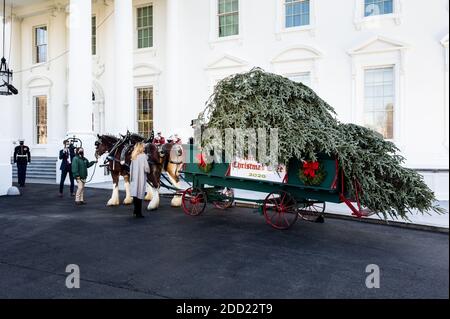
(66,156)
(22,157)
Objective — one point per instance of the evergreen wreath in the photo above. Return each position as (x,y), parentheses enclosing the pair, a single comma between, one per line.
(203,165)
(312,173)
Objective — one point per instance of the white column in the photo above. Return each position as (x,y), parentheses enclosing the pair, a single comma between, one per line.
(80,68)
(10,106)
(16,64)
(172,70)
(123,64)
(80,81)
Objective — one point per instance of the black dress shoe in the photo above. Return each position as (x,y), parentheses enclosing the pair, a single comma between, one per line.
(139,216)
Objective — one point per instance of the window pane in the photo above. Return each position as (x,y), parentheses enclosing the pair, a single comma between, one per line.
(297,13)
(145,111)
(145,27)
(379,100)
(40,44)
(41,119)
(228,11)
(378,7)
(94,35)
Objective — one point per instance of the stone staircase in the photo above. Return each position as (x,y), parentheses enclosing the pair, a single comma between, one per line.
(41,170)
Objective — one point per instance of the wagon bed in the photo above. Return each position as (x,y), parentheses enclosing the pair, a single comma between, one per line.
(286,201)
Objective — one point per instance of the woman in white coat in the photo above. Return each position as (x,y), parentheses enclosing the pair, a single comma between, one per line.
(138,175)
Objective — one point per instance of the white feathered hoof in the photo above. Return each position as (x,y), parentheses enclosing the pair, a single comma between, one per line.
(154,203)
(113,202)
(128,201)
(149,196)
(176,201)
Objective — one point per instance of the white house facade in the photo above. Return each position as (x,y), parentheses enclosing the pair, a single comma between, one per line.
(84,67)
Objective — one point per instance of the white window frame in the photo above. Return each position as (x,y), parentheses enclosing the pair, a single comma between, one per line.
(297,60)
(358,95)
(394,70)
(223,67)
(281,20)
(364,57)
(148,75)
(34,52)
(135,17)
(358,111)
(375,21)
(35,135)
(136,90)
(37,86)
(214,24)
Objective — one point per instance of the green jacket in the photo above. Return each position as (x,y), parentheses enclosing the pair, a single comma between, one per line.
(80,167)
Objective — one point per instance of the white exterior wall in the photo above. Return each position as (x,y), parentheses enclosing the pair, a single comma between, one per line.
(335,49)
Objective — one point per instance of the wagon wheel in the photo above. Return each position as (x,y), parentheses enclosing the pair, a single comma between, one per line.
(193,201)
(280,210)
(226,198)
(312,211)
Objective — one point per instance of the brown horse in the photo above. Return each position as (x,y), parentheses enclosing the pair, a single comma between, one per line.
(119,159)
(169,159)
(115,147)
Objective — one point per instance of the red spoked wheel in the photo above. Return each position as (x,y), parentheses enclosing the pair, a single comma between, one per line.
(226,200)
(280,210)
(312,211)
(193,201)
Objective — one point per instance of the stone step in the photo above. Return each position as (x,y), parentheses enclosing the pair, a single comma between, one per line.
(40,168)
(37,168)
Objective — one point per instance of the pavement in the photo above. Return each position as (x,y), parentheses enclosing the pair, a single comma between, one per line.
(221,254)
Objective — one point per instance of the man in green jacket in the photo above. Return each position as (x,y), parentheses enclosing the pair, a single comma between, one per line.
(80,166)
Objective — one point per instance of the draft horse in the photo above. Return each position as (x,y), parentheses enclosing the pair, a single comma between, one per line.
(114,147)
(169,159)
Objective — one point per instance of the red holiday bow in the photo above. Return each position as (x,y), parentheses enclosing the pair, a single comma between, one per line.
(201,160)
(310,168)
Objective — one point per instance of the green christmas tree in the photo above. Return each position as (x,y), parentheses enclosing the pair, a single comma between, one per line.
(307,126)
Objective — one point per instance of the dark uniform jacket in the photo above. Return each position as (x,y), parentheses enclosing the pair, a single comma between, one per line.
(22,155)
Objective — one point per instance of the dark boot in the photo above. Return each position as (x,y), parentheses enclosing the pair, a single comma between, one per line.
(137,207)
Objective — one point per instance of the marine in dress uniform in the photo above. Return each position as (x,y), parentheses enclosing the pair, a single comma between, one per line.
(22,157)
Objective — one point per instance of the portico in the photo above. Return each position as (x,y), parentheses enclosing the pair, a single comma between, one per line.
(154,64)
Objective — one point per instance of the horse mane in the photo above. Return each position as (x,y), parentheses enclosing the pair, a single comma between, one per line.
(110,137)
(135,137)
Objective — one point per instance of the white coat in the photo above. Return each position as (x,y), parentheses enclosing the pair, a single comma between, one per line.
(138,176)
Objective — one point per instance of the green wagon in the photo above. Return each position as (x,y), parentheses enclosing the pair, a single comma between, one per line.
(286,201)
